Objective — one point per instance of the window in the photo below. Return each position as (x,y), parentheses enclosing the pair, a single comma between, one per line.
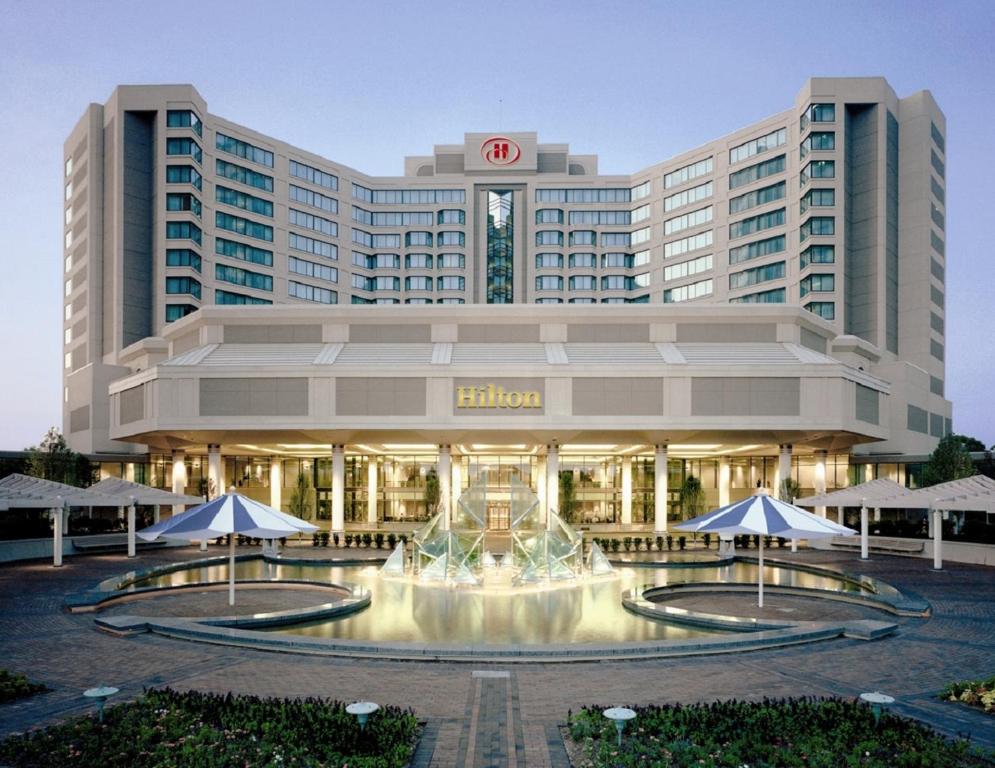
(614,283)
(249,253)
(818,169)
(312,269)
(583,260)
(182,257)
(937,215)
(386,283)
(937,242)
(687,268)
(228,297)
(641,258)
(549,283)
(452,283)
(69,167)
(818,141)
(69,190)
(936,349)
(408,196)
(575,300)
(774,296)
(583,283)
(818,113)
(687,173)
(688,196)
(241,200)
(762,274)
(583,237)
(817,226)
(820,283)
(455,216)
(824,309)
(243,149)
(450,238)
(549,261)
(641,280)
(310,221)
(548,216)
(176,311)
(641,213)
(183,174)
(180,145)
(384,261)
(418,283)
(583,195)
(243,226)
(183,230)
(692,243)
(182,201)
(938,192)
(624,239)
(756,249)
(688,292)
(757,146)
(618,260)
(817,254)
(187,285)
(376,241)
(311,293)
(756,223)
(243,277)
(242,175)
(362,283)
(363,238)
(756,172)
(692,219)
(937,164)
(314,199)
(184,118)
(640,191)
(757,197)
(600,218)
(313,175)
(818,198)
(392,218)
(452,300)
(310,245)
(416,239)
(936,296)
(551,237)
(451,261)
(935,269)
(937,137)
(554,300)
(418,261)
(418,300)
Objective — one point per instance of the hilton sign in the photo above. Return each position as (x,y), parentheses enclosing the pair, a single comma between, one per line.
(495,396)
(500,150)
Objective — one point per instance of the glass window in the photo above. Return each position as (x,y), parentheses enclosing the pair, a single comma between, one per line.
(774,296)
(824,309)
(313,293)
(818,113)
(687,268)
(549,283)
(760,196)
(687,197)
(418,283)
(641,213)
(818,141)
(638,237)
(583,283)
(243,175)
(759,145)
(756,172)
(183,257)
(446,239)
(243,149)
(244,201)
(243,277)
(187,285)
(451,283)
(386,283)
(182,174)
(817,254)
(418,261)
(937,137)
(455,216)
(183,230)
(687,220)
(312,269)
(310,221)
(243,226)
(585,195)
(451,261)
(313,175)
(756,249)
(615,260)
(549,216)
(423,239)
(687,173)
(385,261)
(756,223)
(640,191)
(181,145)
(687,244)
(228,297)
(585,260)
(183,201)
(310,245)
(599,218)
(819,198)
(817,226)
(550,237)
(176,311)
(408,196)
(418,300)
(583,237)
(314,199)
(614,283)
(235,250)
(688,292)
(184,118)
(817,283)
(549,260)
(755,275)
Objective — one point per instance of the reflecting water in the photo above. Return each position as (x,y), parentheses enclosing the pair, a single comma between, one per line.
(591,611)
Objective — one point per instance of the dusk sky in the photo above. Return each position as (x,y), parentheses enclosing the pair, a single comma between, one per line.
(366,83)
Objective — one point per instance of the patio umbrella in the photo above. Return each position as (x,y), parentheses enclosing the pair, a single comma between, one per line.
(760,514)
(231,514)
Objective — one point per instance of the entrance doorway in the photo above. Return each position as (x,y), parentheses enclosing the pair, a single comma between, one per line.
(498,516)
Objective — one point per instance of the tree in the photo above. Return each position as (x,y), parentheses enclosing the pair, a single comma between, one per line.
(969,443)
(432,491)
(300,500)
(950,461)
(789,490)
(692,497)
(568,498)
(55,460)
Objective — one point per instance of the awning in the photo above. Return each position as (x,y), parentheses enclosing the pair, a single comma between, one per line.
(976,493)
(142,494)
(855,495)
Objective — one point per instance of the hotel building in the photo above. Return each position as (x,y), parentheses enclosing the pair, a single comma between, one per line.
(241,311)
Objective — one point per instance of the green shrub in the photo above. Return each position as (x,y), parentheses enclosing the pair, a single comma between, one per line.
(976,693)
(14,686)
(167,728)
(378,540)
(627,543)
(776,734)
(367,540)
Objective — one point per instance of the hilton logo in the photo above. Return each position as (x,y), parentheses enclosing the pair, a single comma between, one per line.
(499,150)
(495,396)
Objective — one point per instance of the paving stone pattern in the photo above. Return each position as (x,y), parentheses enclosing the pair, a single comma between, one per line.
(508,715)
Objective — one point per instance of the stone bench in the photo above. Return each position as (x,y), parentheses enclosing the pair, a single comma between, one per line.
(880,544)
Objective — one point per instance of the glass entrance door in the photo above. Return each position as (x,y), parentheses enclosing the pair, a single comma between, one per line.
(498,516)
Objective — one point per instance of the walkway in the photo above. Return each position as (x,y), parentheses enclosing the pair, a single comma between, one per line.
(501,715)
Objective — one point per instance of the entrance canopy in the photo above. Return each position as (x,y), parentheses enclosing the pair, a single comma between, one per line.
(855,495)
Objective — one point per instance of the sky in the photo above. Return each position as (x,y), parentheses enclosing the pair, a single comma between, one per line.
(366,83)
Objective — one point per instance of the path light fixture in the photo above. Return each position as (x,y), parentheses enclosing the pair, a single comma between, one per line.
(620,716)
(100,694)
(878,701)
(362,710)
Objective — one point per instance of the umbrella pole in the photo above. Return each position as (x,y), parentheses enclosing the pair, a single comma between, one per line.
(231,569)
(760,581)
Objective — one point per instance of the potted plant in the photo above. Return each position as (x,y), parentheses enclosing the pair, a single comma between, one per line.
(708,539)
(789,490)
(367,540)
(348,540)
(692,497)
(324,538)
(301,499)
(615,545)
(781,541)
(403,538)
(391,541)
(682,541)
(670,542)
(659,543)
(567,496)
(316,539)
(378,539)
(335,539)
(627,543)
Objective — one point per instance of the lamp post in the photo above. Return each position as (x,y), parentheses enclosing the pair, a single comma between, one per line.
(100,694)
(878,702)
(362,711)
(620,716)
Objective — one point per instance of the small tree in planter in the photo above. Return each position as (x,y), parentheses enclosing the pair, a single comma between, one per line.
(692,497)
(627,543)
(708,539)
(682,541)
(316,539)
(789,490)
(391,541)
(324,538)
(367,540)
(348,540)
(335,540)
(670,542)
(378,539)
(567,499)
(432,491)
(781,541)
(301,502)
(659,543)
(403,538)
(615,545)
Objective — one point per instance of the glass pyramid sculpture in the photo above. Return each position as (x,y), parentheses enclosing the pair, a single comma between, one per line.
(394,565)
(597,561)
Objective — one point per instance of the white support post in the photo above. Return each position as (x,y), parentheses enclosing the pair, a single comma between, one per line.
(725,481)
(276,482)
(627,490)
(839,514)
(877,514)
(215,471)
(552,480)
(371,490)
(131,529)
(179,477)
(155,514)
(760,578)
(445,475)
(820,478)
(660,490)
(57,521)
(338,489)
(784,473)
(540,489)
(937,539)
(863,529)
(456,486)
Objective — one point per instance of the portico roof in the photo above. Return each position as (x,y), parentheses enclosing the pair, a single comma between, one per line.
(855,495)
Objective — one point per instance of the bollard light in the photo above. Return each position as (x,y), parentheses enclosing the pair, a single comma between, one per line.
(620,716)
(878,702)
(362,711)
(100,694)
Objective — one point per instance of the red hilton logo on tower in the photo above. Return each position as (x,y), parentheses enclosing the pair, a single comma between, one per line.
(499,150)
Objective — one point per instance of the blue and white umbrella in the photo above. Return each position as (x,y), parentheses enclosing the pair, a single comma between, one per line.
(764,516)
(228,514)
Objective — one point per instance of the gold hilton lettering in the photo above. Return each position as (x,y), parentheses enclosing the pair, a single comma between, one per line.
(495,396)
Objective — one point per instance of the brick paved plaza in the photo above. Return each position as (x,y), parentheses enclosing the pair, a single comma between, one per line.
(499,714)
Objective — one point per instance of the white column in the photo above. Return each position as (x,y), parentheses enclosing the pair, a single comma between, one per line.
(179,477)
(552,479)
(276,482)
(57,521)
(626,490)
(783,468)
(155,514)
(839,514)
(541,489)
(863,529)
(877,514)
(868,472)
(725,480)
(215,472)
(338,488)
(371,490)
(445,473)
(131,529)
(937,539)
(820,478)
(660,490)
(456,487)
